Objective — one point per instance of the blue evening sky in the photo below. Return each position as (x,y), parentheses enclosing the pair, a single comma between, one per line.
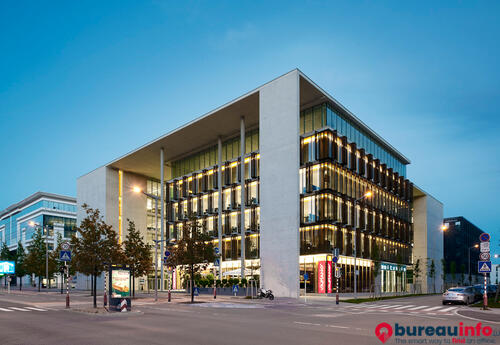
(83,82)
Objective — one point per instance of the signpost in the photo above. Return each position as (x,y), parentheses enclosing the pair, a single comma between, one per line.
(306,277)
(484,266)
(65,255)
(235,289)
(335,259)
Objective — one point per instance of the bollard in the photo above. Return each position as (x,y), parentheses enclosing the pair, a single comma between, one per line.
(215,292)
(123,306)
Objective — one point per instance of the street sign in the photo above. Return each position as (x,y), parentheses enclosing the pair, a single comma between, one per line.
(196,291)
(65,246)
(335,252)
(306,276)
(335,259)
(216,250)
(484,266)
(484,256)
(484,237)
(485,247)
(217,262)
(338,273)
(235,288)
(167,253)
(65,255)
(7,267)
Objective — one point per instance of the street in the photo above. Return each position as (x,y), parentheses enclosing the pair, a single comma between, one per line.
(40,318)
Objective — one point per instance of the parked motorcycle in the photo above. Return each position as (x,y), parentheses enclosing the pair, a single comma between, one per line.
(263,293)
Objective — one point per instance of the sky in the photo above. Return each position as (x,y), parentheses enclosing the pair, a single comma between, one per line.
(83,82)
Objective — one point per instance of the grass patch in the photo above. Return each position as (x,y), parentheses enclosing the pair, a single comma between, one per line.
(491,304)
(364,300)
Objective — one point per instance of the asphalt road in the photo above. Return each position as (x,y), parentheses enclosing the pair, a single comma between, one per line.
(41,319)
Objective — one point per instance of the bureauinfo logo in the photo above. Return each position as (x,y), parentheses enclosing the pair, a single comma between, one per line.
(384,331)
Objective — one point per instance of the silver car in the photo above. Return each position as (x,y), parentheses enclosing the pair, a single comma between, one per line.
(463,295)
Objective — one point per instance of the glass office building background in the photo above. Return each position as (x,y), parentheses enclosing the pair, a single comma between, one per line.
(339,163)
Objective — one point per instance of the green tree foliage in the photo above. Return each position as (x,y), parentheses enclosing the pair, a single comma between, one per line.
(138,253)
(95,246)
(417,269)
(453,270)
(20,264)
(432,273)
(443,272)
(36,259)
(462,273)
(6,255)
(194,251)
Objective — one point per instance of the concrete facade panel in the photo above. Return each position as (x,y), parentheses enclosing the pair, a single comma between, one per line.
(279,185)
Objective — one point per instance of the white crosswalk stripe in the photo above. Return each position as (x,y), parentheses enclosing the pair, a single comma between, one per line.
(37,309)
(433,308)
(405,306)
(4,309)
(448,309)
(391,306)
(20,309)
(419,307)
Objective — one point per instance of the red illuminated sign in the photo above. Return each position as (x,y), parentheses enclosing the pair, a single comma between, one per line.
(321,277)
(329,276)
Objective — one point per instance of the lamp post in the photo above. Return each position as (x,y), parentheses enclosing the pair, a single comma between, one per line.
(366,195)
(468,271)
(45,229)
(156,198)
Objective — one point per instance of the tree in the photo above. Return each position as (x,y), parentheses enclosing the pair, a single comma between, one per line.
(36,258)
(20,264)
(376,265)
(193,251)
(462,273)
(453,270)
(138,253)
(416,273)
(432,273)
(95,246)
(5,254)
(443,272)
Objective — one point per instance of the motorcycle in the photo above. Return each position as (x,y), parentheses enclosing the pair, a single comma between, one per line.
(263,293)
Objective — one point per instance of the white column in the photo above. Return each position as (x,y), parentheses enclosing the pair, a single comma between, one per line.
(279,185)
(242,203)
(219,184)
(162,227)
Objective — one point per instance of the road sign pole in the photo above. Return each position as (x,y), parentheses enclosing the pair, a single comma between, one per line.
(485,294)
(67,284)
(337,297)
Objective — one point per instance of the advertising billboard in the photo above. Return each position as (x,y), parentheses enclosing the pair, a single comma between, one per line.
(7,267)
(120,283)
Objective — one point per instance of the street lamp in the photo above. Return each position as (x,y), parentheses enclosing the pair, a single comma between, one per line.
(474,246)
(46,231)
(156,198)
(366,195)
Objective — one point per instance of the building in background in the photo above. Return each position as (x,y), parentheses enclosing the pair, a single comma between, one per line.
(53,212)
(273,177)
(461,251)
(428,241)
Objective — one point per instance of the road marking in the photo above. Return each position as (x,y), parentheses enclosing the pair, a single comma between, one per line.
(433,308)
(20,309)
(37,309)
(377,305)
(391,306)
(420,307)
(307,323)
(405,306)
(3,309)
(448,309)
(335,326)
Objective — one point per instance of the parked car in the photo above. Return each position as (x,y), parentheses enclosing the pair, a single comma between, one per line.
(478,292)
(491,290)
(463,295)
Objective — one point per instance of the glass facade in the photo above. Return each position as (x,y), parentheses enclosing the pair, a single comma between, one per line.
(324,115)
(14,224)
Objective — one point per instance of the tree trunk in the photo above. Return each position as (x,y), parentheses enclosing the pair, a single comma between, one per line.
(498,290)
(39,283)
(95,289)
(91,285)
(192,284)
(133,285)
(20,283)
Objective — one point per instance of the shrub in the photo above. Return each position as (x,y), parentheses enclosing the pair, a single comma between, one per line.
(218,282)
(243,282)
(224,282)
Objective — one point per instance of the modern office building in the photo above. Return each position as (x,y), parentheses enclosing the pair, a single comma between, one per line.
(277,178)
(461,250)
(54,213)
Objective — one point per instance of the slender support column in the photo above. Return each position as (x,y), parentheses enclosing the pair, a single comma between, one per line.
(242,204)
(219,185)
(162,217)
